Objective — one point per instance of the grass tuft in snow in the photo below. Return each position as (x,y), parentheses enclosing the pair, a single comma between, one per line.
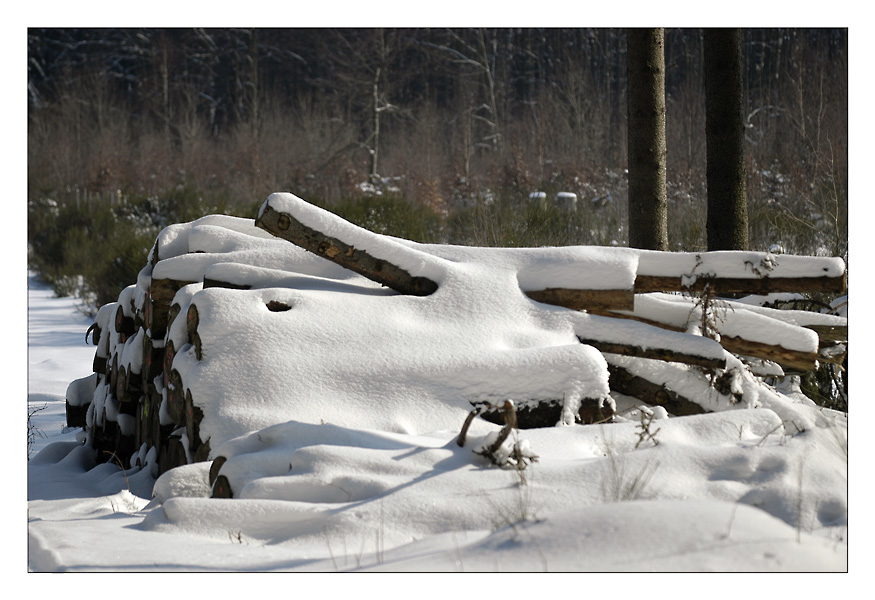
(621,481)
(33,431)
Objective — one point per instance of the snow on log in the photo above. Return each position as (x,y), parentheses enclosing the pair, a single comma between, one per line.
(590,300)
(680,389)
(240,276)
(624,382)
(737,272)
(378,258)
(631,338)
(759,334)
(575,277)
(78,398)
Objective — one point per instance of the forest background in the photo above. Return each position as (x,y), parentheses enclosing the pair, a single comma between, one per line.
(437,135)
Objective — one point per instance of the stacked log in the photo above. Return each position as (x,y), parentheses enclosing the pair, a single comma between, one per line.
(136,403)
(756,277)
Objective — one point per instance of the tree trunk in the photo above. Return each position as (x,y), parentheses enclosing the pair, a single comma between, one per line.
(727,223)
(648,209)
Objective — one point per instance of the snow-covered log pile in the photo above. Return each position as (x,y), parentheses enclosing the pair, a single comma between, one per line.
(231,330)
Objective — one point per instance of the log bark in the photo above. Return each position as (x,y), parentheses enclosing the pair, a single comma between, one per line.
(192,320)
(121,384)
(156,433)
(169,353)
(76,414)
(623,382)
(222,488)
(747,285)
(383,272)
(94,332)
(158,301)
(173,454)
(113,372)
(153,363)
(216,466)
(124,325)
(176,398)
(829,333)
(793,360)
(654,353)
(193,417)
(789,359)
(547,413)
(589,300)
(215,283)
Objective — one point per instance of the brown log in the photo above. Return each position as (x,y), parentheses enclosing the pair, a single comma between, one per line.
(546,413)
(172,313)
(655,353)
(829,333)
(193,417)
(103,438)
(156,433)
(589,300)
(222,488)
(121,384)
(277,306)
(159,299)
(744,285)
(623,382)
(176,398)
(215,467)
(153,363)
(173,454)
(124,325)
(113,372)
(140,428)
(215,283)
(793,360)
(191,322)
(285,226)
(94,331)
(124,447)
(76,414)
(169,354)
(127,390)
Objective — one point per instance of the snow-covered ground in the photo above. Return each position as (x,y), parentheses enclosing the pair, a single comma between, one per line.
(727,491)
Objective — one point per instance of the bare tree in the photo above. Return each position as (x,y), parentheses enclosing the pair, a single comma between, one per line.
(727,225)
(648,207)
